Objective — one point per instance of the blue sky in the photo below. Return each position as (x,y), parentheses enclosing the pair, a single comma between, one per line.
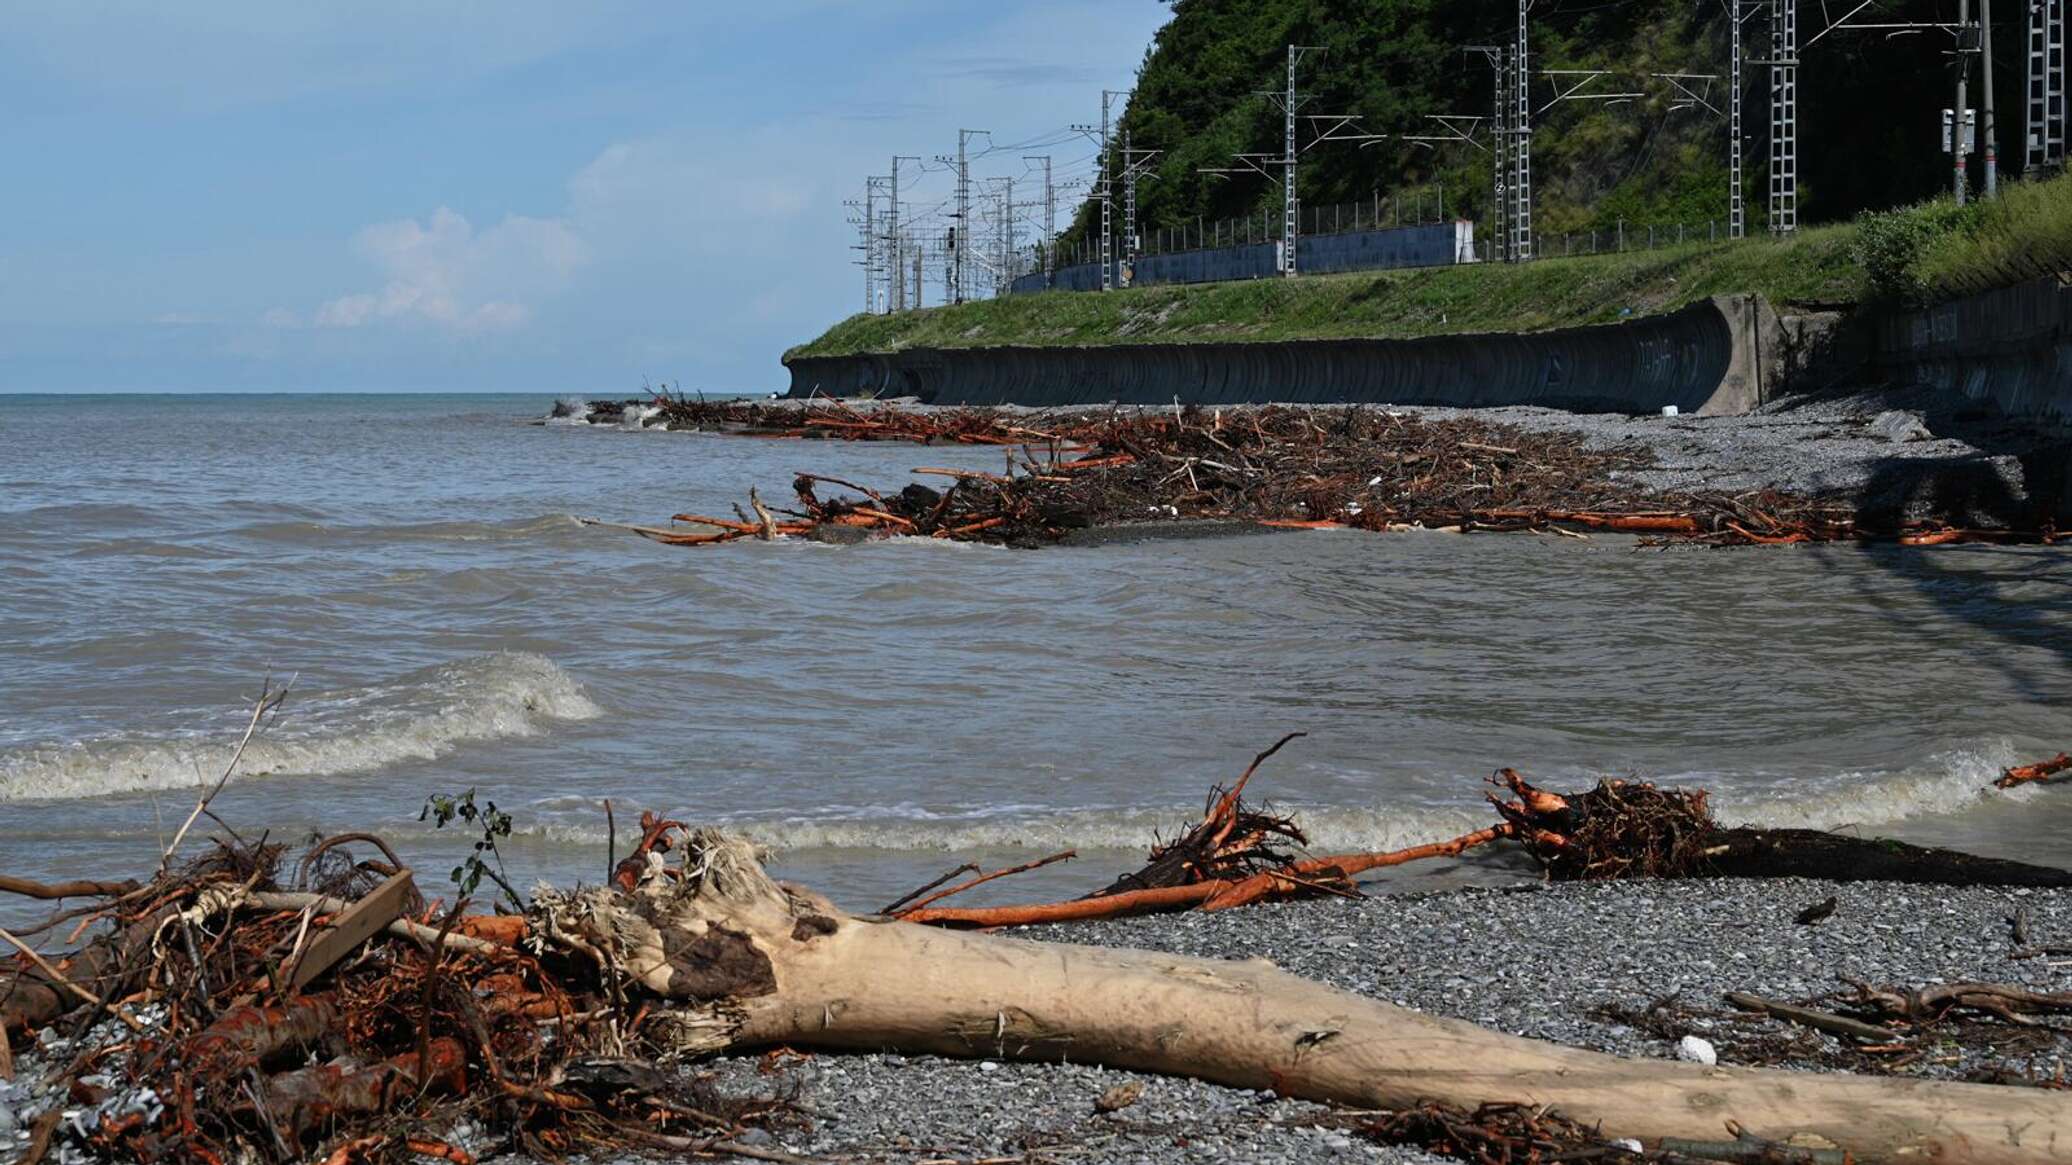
(525,195)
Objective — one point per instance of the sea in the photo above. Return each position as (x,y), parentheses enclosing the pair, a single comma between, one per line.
(412,570)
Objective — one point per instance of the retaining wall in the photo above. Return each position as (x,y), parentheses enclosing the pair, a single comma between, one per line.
(1711,358)
(2010,348)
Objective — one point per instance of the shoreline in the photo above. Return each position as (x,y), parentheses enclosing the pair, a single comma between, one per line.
(1533,961)
(1544,961)
(1626,967)
(1883,453)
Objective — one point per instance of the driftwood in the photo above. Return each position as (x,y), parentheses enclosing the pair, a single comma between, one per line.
(1279,466)
(83,888)
(2041,770)
(1835,857)
(693,949)
(1235,856)
(746,962)
(1839,1025)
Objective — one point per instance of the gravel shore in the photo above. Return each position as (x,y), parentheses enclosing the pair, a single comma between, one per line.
(1540,961)
(1576,964)
(1882,447)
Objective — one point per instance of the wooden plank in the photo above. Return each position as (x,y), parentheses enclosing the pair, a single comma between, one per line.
(353,925)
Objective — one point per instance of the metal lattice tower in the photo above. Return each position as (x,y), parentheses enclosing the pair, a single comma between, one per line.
(1050,218)
(1737,205)
(2044,130)
(895,243)
(1784,116)
(1129,202)
(1134,165)
(1290,207)
(873,243)
(1500,157)
(1521,147)
(1005,278)
(1107,198)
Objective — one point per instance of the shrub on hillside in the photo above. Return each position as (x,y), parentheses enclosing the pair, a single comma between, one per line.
(1891,247)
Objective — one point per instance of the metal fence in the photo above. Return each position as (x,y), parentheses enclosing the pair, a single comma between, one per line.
(1417,207)
(1079,266)
(1617,239)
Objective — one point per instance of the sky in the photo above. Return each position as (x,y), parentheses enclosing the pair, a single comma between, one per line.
(492,195)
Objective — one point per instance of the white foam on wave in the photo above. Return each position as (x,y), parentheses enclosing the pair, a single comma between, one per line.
(636,416)
(573,410)
(1947,783)
(1335,829)
(952,545)
(418,717)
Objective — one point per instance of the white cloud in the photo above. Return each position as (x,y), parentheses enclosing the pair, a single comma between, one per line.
(444,272)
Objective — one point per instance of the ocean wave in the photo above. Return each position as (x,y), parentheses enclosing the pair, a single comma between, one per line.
(320,533)
(1950,783)
(570,410)
(1330,828)
(417,717)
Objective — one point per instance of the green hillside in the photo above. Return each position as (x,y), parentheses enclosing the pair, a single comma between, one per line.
(1817,267)
(1918,254)
(1868,140)
(1870,109)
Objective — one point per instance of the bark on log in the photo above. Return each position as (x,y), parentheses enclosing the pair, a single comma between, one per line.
(751,963)
(54,890)
(29,999)
(1810,853)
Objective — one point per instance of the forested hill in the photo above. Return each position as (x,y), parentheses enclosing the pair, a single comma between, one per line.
(1869,119)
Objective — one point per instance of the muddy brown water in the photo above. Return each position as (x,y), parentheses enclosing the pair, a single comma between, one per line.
(878,713)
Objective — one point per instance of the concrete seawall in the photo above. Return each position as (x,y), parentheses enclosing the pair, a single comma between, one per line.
(2010,348)
(1713,358)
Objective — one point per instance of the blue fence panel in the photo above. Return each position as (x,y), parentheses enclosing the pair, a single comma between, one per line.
(1431,245)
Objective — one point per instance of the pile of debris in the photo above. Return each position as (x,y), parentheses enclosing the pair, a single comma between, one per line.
(1236,856)
(231,1010)
(1351,467)
(336,1016)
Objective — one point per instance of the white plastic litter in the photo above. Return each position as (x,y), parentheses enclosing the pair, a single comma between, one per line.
(1697,1051)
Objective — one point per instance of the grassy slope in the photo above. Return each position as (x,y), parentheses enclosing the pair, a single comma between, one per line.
(1816,267)
(1918,254)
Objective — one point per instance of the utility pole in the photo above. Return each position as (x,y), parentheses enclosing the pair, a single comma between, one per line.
(862,244)
(1134,165)
(1500,108)
(894,242)
(1007,234)
(963,210)
(2044,133)
(1737,206)
(1103,190)
(1985,30)
(1291,206)
(874,251)
(956,246)
(1328,128)
(1521,151)
(1129,209)
(1107,195)
(1050,219)
(1959,180)
(1784,116)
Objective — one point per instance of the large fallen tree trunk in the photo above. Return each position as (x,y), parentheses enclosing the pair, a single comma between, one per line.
(749,962)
